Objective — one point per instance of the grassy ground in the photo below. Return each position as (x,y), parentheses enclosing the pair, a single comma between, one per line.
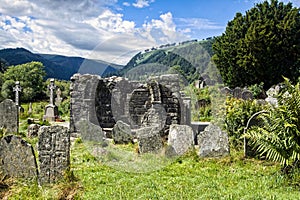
(116,173)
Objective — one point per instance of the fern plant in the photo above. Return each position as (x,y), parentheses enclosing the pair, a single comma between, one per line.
(279,137)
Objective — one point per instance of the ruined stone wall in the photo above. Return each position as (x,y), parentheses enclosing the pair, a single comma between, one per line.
(82,102)
(103,101)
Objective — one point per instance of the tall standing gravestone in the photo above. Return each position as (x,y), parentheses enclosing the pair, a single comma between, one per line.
(54,153)
(17,158)
(51,110)
(8,116)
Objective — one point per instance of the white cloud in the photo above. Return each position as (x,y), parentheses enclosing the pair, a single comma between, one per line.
(142,3)
(81,28)
(198,23)
(126,4)
(163,29)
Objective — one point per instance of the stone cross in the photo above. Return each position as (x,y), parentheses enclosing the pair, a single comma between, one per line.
(17,89)
(52,87)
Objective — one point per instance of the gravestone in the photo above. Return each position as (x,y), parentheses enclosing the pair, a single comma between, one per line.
(247,95)
(9,116)
(51,110)
(17,158)
(58,98)
(89,131)
(30,109)
(181,138)
(226,91)
(213,142)
(121,133)
(237,93)
(149,140)
(54,153)
(156,115)
(33,130)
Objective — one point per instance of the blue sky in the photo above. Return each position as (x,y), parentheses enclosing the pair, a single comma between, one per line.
(112,30)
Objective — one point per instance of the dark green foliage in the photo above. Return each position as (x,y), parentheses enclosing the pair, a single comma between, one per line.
(190,59)
(238,112)
(260,46)
(279,138)
(31,77)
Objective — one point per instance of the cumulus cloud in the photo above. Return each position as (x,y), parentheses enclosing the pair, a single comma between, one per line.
(142,3)
(85,28)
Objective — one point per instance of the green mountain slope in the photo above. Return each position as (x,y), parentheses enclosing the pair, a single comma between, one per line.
(190,58)
(57,66)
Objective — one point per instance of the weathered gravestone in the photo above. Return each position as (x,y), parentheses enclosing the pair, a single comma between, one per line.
(17,158)
(121,133)
(54,153)
(156,115)
(51,110)
(149,140)
(226,91)
(247,95)
(8,116)
(33,130)
(89,131)
(213,142)
(181,138)
(58,98)
(237,93)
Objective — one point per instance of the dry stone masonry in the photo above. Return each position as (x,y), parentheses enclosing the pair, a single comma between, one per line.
(104,101)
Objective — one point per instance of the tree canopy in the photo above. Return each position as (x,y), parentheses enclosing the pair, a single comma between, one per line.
(261,46)
(31,77)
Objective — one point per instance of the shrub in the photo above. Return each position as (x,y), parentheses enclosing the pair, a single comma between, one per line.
(279,138)
(238,112)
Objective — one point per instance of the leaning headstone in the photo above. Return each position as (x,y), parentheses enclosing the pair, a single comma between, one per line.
(181,138)
(213,142)
(149,140)
(33,130)
(17,158)
(89,131)
(8,116)
(54,153)
(121,133)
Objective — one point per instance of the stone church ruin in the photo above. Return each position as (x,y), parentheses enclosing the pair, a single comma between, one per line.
(104,101)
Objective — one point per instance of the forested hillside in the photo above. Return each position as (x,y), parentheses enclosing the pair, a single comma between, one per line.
(190,58)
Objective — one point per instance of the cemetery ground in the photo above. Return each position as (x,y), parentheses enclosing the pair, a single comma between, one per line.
(186,177)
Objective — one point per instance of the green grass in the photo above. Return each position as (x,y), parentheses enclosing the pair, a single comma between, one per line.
(111,174)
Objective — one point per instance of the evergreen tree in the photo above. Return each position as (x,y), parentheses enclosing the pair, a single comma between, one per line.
(261,46)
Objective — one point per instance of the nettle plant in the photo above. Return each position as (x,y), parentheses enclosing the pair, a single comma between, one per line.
(279,137)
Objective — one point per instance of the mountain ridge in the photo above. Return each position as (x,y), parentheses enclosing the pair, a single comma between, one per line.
(57,66)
